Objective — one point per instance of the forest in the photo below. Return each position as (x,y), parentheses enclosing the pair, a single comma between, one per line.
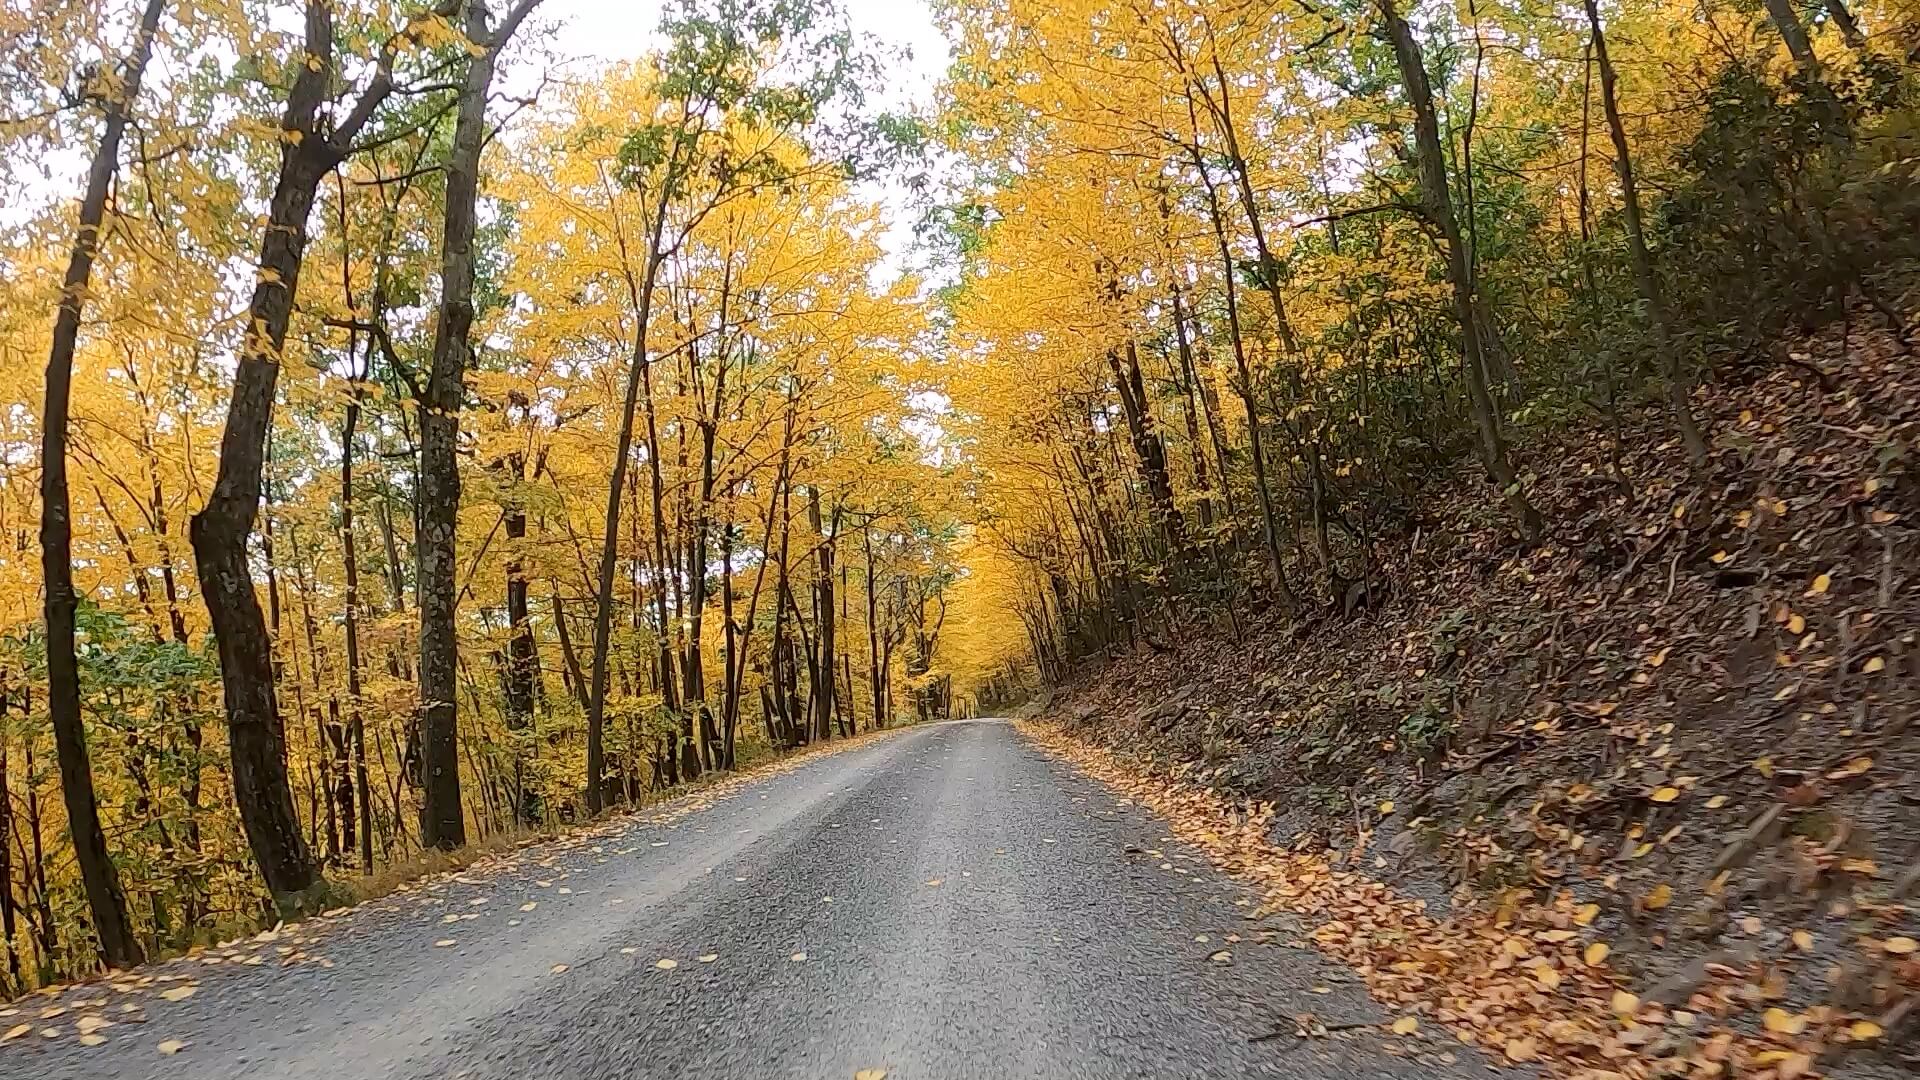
(415,439)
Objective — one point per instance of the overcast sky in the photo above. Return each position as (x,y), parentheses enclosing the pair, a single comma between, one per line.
(609,30)
(622,30)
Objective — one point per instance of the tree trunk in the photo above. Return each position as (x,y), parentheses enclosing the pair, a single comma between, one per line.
(642,297)
(1843,21)
(1792,31)
(1437,206)
(119,946)
(1243,376)
(820,662)
(874,675)
(1149,451)
(350,560)
(219,532)
(1673,370)
(442,823)
(523,658)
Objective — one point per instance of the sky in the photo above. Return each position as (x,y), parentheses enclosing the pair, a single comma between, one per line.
(622,30)
(612,30)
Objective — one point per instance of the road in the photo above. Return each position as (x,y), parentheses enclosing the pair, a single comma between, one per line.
(944,903)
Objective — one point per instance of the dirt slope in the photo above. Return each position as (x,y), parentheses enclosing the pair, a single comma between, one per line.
(1691,705)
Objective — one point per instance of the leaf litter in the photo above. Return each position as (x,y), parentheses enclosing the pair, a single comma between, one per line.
(1476,973)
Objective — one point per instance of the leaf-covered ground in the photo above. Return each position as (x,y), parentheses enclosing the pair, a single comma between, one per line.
(1676,733)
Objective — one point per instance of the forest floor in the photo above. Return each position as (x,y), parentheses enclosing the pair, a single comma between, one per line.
(1642,800)
(945,903)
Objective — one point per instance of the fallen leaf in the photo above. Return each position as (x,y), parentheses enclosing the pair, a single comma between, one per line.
(870,1074)
(171,1046)
(1548,978)
(1863,1030)
(1625,1004)
(15,1032)
(1716,802)
(1803,941)
(1781,1022)
(92,1038)
(1821,584)
(1659,897)
(557,969)
(1221,957)
(798,957)
(1525,1049)
(1596,953)
(709,958)
(529,905)
(934,883)
(1875,664)
(1586,914)
(1386,806)
(444,943)
(1406,1025)
(1900,946)
(666,963)
(178,993)
(1665,794)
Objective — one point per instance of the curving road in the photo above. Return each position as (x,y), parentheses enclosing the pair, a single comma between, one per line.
(941,904)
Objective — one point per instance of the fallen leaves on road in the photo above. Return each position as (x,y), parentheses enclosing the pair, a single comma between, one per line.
(178,993)
(1515,979)
(171,1046)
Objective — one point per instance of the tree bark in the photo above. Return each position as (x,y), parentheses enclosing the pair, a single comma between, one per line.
(820,663)
(1794,32)
(119,946)
(350,559)
(523,659)
(1844,21)
(442,821)
(1149,451)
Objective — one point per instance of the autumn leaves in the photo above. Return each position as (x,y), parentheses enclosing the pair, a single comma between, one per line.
(1527,981)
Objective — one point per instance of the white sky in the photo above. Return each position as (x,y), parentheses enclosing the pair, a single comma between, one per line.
(613,30)
(622,30)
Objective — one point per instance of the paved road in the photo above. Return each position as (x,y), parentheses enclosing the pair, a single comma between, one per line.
(945,903)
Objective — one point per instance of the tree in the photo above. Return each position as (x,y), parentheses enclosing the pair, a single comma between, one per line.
(726,136)
(118,945)
(442,823)
(1437,209)
(308,151)
(1643,276)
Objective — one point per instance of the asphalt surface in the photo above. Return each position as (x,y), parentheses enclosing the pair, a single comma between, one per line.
(945,903)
